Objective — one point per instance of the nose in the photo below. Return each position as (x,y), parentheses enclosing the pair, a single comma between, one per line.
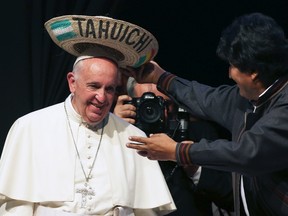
(229,71)
(100,95)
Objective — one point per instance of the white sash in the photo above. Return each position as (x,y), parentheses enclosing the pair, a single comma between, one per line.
(46,211)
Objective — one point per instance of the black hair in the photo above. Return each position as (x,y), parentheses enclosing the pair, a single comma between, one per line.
(255,43)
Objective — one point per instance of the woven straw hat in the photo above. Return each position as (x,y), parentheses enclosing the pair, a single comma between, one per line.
(100,36)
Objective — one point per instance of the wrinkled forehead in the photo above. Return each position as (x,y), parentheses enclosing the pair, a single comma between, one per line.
(93,69)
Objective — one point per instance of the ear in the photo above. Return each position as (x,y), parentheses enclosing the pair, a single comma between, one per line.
(254,76)
(71,81)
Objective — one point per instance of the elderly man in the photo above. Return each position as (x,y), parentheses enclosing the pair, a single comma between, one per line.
(70,159)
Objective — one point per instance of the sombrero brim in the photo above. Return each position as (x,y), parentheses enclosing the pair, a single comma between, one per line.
(124,42)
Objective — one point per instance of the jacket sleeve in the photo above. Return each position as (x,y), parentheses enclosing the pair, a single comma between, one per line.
(203,101)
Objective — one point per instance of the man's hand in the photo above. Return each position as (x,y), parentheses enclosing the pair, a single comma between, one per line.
(147,73)
(155,147)
(125,111)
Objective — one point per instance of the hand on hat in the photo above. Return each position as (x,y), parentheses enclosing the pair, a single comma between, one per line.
(147,73)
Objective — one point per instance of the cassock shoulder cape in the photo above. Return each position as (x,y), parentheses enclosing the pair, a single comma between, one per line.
(38,161)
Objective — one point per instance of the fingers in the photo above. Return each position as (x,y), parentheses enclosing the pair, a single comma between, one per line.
(130,120)
(138,143)
(134,72)
(143,73)
(127,115)
(143,153)
(141,148)
(147,73)
(128,71)
(122,98)
(125,111)
(138,139)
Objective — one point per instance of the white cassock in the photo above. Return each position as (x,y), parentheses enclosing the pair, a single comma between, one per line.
(40,168)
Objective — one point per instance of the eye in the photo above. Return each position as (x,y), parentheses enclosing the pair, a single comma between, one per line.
(110,89)
(93,86)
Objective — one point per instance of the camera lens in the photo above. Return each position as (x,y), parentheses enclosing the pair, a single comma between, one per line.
(150,111)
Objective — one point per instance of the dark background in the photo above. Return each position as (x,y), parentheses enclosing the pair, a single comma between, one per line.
(33,69)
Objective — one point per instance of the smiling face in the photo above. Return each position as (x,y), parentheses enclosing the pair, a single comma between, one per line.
(93,83)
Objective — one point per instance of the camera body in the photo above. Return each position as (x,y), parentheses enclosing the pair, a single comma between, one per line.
(151,118)
(150,113)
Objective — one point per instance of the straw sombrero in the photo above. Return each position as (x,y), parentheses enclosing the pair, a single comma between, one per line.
(124,42)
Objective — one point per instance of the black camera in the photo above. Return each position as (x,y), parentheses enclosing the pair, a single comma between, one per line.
(150,113)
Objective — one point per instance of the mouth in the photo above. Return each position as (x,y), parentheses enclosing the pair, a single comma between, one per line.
(95,111)
(97,106)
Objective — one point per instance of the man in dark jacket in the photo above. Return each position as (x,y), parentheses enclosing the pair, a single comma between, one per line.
(154,112)
(255,111)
